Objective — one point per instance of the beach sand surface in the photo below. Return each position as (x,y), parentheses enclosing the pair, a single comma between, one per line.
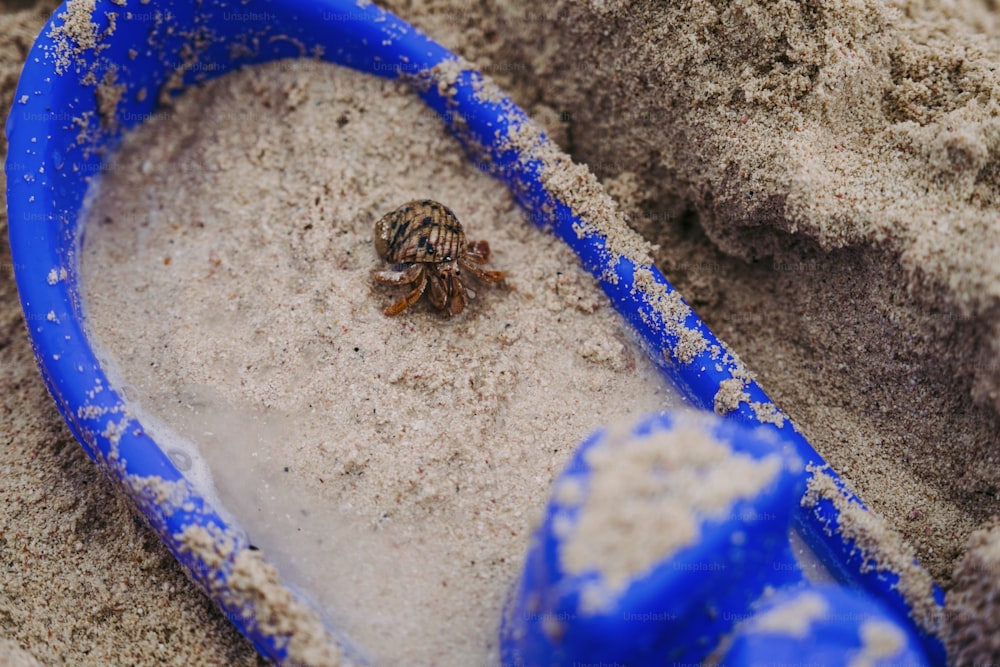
(822,183)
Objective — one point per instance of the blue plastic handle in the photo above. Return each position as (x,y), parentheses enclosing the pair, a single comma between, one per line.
(58,139)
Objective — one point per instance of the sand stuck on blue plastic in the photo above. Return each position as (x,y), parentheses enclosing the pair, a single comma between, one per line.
(646,499)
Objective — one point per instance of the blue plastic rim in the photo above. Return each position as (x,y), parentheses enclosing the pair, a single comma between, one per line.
(61,128)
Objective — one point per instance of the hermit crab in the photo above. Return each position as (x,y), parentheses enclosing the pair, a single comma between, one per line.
(426,246)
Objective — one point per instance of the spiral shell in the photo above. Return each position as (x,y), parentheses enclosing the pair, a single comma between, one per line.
(420,231)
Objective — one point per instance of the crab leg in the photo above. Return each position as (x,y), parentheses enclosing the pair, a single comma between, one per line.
(408,275)
(413,274)
(457,293)
(479,252)
(483,274)
(439,289)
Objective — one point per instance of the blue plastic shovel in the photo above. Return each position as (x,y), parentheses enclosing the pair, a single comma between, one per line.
(61,128)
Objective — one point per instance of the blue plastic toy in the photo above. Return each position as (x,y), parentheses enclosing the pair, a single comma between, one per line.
(59,133)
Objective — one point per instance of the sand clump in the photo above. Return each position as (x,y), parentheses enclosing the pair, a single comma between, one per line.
(794,618)
(228,275)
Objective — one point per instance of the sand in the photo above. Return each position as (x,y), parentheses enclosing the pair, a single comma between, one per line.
(392,467)
(799,224)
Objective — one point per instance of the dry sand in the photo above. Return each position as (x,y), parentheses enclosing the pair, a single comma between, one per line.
(822,182)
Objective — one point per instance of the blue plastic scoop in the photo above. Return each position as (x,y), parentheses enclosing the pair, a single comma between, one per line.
(93,74)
